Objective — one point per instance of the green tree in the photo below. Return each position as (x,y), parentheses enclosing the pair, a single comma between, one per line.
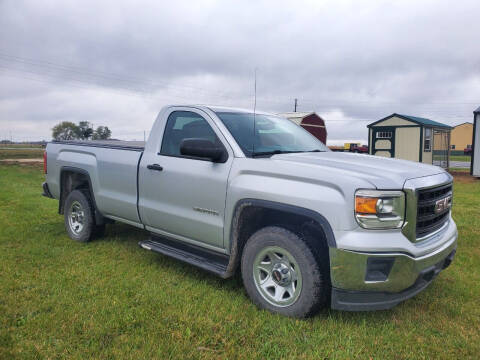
(66,130)
(102,133)
(84,130)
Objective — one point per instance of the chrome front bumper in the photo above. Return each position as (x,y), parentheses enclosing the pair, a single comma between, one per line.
(358,285)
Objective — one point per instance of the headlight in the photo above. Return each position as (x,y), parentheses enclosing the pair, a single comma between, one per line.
(380,209)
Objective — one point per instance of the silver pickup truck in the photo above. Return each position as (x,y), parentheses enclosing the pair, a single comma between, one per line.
(227,189)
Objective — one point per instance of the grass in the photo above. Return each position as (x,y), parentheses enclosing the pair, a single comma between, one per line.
(467,158)
(33,153)
(456,171)
(24,145)
(111,299)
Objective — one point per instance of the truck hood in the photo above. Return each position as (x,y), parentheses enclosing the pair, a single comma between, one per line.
(383,173)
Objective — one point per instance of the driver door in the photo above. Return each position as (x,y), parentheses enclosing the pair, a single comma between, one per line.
(180,196)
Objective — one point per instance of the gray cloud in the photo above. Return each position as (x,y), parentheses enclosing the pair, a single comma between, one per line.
(116,63)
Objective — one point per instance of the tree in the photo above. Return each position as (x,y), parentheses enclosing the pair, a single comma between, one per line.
(66,130)
(84,130)
(102,133)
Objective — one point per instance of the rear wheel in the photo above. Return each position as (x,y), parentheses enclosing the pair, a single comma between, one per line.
(80,217)
(281,274)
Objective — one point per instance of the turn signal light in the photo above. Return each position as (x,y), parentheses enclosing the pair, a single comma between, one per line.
(366,205)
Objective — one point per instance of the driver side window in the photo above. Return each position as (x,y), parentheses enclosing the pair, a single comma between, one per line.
(185,125)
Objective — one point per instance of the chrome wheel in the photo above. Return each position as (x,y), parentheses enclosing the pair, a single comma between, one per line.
(277,276)
(76,217)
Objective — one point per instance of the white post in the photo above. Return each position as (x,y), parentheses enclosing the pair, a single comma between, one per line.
(475,165)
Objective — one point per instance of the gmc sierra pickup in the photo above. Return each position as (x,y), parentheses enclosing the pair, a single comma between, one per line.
(227,189)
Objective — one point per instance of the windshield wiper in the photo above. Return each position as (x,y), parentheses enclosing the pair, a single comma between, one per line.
(273,152)
(276,152)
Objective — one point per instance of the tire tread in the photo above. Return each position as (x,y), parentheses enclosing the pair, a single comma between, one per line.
(316,296)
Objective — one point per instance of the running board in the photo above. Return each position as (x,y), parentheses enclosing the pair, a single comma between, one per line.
(205,259)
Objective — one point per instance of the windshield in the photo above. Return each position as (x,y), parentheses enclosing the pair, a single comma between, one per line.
(273,134)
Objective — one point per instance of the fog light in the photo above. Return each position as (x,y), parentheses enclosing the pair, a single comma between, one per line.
(378,269)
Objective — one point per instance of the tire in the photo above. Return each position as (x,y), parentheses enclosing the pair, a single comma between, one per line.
(294,284)
(80,217)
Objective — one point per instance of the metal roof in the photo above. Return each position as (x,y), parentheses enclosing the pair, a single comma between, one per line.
(425,121)
(297,117)
(296,114)
(464,123)
(415,119)
(478,110)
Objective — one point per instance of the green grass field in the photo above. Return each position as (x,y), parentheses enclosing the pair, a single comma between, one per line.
(454,158)
(25,145)
(110,299)
(27,153)
(460,158)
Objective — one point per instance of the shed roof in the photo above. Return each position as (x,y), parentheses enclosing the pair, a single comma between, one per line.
(297,117)
(415,119)
(296,114)
(464,123)
(478,110)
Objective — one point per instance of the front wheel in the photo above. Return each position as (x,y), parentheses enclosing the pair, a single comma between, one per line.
(281,274)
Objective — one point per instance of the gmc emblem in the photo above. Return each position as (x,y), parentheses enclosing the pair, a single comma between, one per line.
(443,204)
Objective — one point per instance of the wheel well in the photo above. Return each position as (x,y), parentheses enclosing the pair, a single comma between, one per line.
(69,181)
(250,218)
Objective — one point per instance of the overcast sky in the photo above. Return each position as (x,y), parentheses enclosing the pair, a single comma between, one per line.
(116,63)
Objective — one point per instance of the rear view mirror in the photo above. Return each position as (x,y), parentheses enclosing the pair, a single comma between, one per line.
(202,148)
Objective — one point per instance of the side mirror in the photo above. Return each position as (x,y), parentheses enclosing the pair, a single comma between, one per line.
(202,148)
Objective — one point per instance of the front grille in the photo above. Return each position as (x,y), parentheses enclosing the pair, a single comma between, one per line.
(427,220)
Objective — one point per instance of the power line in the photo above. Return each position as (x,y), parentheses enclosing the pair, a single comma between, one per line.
(149,83)
(82,86)
(102,75)
(86,79)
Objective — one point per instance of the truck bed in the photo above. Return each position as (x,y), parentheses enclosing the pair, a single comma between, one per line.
(110,144)
(111,166)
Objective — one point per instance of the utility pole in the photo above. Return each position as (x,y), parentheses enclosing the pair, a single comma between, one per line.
(295,108)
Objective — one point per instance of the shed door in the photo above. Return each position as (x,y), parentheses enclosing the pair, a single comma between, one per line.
(383,139)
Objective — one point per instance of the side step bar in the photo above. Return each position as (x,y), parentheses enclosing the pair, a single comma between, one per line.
(205,259)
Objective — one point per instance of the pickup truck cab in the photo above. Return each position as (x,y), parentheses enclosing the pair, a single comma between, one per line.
(228,189)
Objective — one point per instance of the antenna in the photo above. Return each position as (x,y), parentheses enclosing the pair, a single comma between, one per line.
(255,89)
(254,110)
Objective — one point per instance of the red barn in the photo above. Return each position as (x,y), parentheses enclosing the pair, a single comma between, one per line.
(311,122)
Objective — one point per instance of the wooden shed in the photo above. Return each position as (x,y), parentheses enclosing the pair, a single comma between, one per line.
(310,121)
(461,138)
(410,138)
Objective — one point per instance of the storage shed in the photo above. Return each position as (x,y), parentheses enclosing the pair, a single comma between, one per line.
(410,138)
(461,138)
(310,121)
(475,164)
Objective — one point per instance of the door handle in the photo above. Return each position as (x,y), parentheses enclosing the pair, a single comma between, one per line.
(154,167)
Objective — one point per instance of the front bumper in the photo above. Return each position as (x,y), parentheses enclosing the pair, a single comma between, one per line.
(364,300)
(380,280)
